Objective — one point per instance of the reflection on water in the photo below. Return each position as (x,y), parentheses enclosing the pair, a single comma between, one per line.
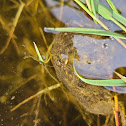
(21,75)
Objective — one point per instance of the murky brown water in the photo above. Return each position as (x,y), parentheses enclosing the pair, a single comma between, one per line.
(21,74)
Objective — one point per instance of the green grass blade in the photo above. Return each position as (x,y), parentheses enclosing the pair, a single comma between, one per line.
(87,31)
(88,4)
(104,11)
(91,14)
(117,23)
(93,7)
(121,76)
(38,53)
(108,14)
(112,6)
(114,82)
(119,18)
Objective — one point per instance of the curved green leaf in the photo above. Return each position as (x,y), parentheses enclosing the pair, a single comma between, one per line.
(114,82)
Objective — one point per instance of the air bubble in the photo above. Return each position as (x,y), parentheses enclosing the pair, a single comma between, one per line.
(105,45)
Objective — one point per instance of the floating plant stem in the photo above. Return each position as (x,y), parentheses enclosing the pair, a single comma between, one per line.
(87,31)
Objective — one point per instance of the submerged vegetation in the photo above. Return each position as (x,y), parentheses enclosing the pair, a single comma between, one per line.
(30,93)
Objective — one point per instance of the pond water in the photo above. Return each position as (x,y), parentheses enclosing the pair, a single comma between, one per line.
(22,75)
